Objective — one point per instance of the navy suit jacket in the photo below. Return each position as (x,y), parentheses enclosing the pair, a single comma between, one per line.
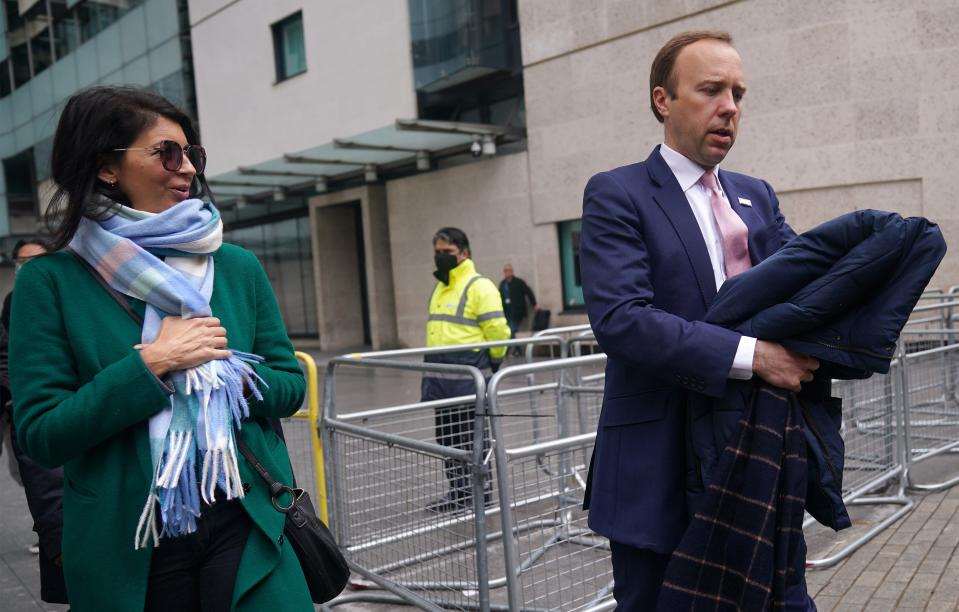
(648,280)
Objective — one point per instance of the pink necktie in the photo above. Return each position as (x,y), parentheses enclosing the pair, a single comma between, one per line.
(732,231)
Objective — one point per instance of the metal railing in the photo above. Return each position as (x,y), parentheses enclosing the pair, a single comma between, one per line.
(386,467)
(895,421)
(874,434)
(523,543)
(553,560)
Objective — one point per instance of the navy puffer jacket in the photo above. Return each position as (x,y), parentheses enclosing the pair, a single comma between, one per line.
(841,292)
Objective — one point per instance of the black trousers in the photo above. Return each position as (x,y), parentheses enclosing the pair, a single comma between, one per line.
(44,490)
(197,572)
(454,428)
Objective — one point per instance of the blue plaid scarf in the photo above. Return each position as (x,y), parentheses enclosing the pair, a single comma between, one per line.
(196,429)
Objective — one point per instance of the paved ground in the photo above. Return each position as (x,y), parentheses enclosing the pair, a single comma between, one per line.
(912,565)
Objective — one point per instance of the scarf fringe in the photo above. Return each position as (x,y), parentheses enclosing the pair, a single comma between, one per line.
(146,526)
(218,387)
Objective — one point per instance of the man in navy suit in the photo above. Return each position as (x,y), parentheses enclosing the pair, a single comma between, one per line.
(657,241)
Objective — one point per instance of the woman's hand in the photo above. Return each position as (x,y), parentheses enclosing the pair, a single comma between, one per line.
(184,343)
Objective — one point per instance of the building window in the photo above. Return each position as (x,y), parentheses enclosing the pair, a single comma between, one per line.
(467,64)
(284,248)
(569,232)
(66,29)
(288,47)
(21,183)
(41,51)
(20,57)
(6,85)
(96,16)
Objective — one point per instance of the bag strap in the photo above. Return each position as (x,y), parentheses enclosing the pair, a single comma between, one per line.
(116,295)
(275,486)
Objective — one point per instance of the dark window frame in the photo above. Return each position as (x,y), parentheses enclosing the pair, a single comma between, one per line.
(279,53)
(570,272)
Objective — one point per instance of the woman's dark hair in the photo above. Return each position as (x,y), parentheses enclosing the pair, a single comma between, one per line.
(94,122)
(453,235)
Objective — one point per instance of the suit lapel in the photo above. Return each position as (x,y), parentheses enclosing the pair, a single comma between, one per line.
(746,213)
(671,199)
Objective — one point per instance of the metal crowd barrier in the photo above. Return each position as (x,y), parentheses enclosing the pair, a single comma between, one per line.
(874,434)
(565,333)
(932,418)
(553,560)
(894,421)
(524,544)
(932,415)
(303,440)
(386,467)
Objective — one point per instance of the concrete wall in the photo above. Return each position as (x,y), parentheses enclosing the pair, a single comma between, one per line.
(338,289)
(851,104)
(358,77)
(336,268)
(489,200)
(379,268)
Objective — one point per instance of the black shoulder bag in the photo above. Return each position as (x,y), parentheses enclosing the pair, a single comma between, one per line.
(324,567)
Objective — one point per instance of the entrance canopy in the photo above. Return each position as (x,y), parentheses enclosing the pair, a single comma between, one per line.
(407,146)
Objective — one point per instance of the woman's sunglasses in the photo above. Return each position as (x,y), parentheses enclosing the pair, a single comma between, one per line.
(171,155)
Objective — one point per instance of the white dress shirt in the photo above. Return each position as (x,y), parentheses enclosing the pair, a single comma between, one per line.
(688,173)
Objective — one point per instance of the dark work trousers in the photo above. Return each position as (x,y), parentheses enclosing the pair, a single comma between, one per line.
(44,491)
(638,575)
(455,424)
(454,428)
(197,572)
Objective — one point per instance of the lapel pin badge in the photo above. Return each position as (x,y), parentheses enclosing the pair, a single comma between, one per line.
(745,202)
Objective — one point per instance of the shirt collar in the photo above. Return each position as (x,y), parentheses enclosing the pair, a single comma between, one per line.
(686,171)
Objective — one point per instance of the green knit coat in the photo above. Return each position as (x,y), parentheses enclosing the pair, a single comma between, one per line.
(82,399)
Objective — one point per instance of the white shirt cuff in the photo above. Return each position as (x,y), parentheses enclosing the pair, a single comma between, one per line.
(743,361)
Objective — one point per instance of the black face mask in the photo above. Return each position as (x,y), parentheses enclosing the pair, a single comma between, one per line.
(444,263)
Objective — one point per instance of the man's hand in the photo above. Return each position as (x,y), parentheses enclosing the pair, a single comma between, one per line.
(781,367)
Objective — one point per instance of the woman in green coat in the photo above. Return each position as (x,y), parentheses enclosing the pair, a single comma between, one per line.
(161,512)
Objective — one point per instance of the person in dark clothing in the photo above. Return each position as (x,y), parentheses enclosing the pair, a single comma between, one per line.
(42,486)
(515,293)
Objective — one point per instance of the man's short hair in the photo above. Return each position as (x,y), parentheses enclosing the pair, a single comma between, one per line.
(661,72)
(453,235)
(22,243)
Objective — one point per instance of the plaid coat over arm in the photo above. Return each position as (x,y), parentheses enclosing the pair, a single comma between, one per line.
(736,553)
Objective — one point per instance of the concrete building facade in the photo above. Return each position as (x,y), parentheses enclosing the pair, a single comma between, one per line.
(304,148)
(358,75)
(850,104)
(339,132)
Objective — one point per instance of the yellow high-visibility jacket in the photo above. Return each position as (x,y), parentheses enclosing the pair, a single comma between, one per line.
(467,310)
